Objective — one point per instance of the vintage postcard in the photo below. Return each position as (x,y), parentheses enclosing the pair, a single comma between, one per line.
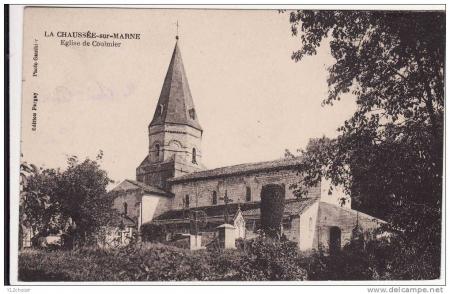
(202,144)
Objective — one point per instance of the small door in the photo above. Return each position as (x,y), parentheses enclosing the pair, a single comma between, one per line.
(335,240)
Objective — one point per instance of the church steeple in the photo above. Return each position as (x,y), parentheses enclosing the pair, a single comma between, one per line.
(174,134)
(175,104)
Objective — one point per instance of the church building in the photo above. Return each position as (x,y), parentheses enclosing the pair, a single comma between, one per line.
(174,190)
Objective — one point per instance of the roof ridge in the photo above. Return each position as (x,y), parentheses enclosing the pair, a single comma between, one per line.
(170,78)
(250,166)
(248,163)
(149,188)
(361,214)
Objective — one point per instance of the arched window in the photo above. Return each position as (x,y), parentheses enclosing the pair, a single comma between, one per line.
(248,194)
(157,151)
(214,198)
(194,155)
(160,109)
(125,208)
(186,201)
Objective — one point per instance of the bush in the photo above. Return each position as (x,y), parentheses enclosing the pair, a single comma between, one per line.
(265,259)
(153,232)
(382,259)
(261,259)
(147,262)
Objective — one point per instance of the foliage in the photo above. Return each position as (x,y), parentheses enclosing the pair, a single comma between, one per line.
(262,259)
(389,154)
(152,262)
(266,259)
(81,195)
(272,208)
(379,259)
(72,201)
(33,200)
(153,232)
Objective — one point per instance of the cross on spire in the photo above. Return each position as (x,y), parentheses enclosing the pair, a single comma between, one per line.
(176,37)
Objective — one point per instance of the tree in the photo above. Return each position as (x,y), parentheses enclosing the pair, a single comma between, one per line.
(80,195)
(72,201)
(389,154)
(32,201)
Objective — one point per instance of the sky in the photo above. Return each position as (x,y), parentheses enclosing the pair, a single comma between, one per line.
(253,101)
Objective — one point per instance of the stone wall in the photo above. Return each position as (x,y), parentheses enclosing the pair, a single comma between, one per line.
(164,204)
(173,140)
(292,230)
(201,191)
(156,174)
(154,205)
(307,227)
(132,198)
(345,219)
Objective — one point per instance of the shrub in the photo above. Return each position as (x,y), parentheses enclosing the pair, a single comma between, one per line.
(153,232)
(144,262)
(267,259)
(382,259)
(261,259)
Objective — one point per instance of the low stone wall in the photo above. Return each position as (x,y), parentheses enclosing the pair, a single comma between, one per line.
(345,219)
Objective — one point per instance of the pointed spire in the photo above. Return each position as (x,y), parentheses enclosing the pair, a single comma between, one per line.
(175,104)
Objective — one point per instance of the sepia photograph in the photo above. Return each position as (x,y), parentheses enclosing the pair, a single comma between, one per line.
(207,144)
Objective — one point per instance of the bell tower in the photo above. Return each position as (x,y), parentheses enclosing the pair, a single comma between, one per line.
(175,133)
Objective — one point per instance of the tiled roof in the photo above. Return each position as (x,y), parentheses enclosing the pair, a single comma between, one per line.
(175,104)
(327,207)
(239,169)
(292,207)
(146,188)
(249,210)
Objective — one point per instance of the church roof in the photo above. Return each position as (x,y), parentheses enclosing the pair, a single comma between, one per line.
(175,104)
(245,168)
(132,185)
(250,210)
